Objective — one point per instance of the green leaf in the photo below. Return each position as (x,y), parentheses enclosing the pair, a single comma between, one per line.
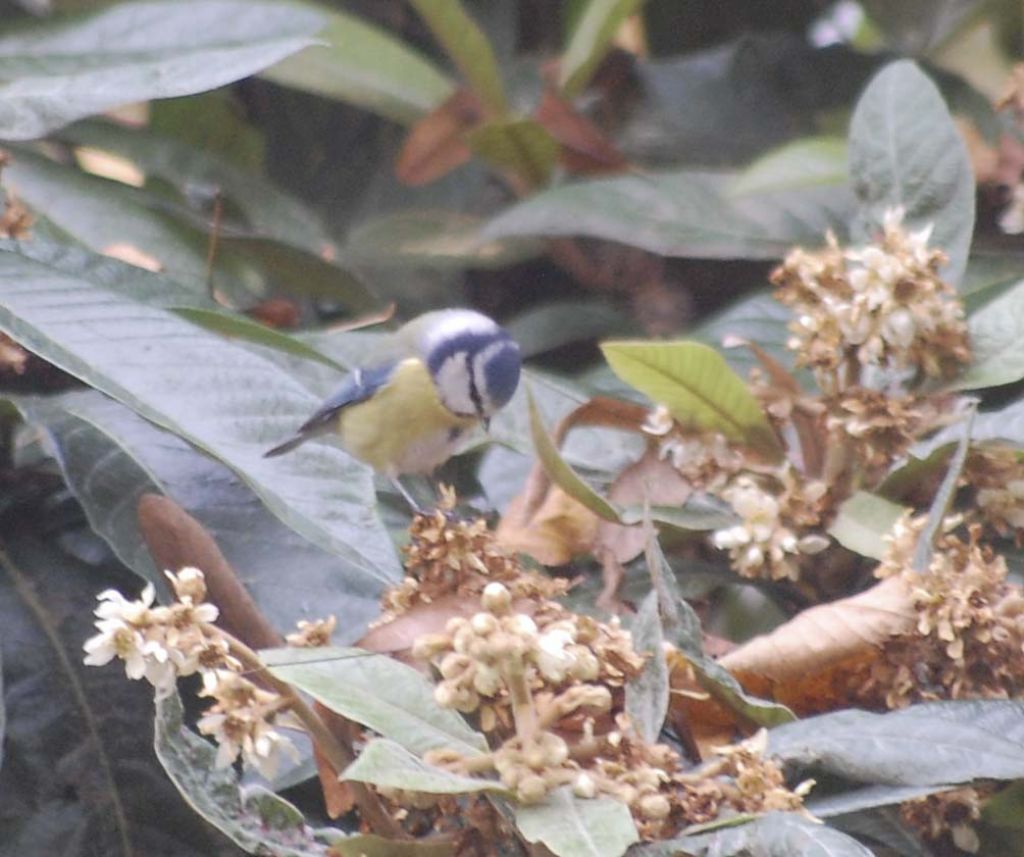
(944,496)
(905,151)
(369,845)
(684,213)
(56,71)
(573,827)
(383,694)
(647,693)
(861,522)
(467,46)
(997,342)
(433,239)
(682,626)
(223,398)
(386,764)
(697,386)
(591,38)
(928,744)
(255,819)
(102,214)
(195,173)
(364,65)
(110,457)
(240,327)
(522,146)
(777,834)
(802,163)
(561,472)
(868,797)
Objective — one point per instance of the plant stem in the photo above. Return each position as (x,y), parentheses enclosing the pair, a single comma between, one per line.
(339,756)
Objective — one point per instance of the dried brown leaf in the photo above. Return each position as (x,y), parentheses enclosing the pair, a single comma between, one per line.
(652,480)
(805,662)
(585,148)
(436,144)
(175,540)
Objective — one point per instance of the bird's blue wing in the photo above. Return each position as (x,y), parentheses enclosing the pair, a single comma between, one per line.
(359,386)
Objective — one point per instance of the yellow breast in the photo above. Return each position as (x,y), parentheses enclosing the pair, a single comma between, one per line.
(403,428)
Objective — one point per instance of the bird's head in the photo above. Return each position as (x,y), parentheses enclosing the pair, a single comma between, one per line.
(474,363)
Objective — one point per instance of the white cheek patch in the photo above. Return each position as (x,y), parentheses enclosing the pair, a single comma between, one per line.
(452,382)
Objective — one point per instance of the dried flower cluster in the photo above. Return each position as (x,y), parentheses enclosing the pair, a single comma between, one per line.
(15,220)
(776,513)
(705,459)
(448,555)
(881,305)
(969,641)
(996,473)
(878,428)
(162,643)
(946,816)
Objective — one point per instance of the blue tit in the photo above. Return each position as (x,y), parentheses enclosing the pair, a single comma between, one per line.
(406,409)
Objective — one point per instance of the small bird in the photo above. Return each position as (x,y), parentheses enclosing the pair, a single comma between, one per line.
(405,411)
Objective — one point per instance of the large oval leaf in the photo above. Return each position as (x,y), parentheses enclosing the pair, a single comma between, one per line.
(219,396)
(684,213)
(56,71)
(364,65)
(591,38)
(905,151)
(997,341)
(573,827)
(941,742)
(110,457)
(697,386)
(389,697)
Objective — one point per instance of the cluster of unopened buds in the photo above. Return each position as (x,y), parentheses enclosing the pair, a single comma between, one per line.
(164,642)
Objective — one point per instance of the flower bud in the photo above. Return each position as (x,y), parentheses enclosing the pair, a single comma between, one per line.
(655,806)
(531,789)
(496,599)
(584,786)
(483,624)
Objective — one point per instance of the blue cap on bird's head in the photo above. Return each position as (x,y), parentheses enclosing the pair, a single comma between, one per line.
(475,364)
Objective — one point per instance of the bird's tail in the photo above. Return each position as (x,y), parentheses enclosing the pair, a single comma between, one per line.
(287,446)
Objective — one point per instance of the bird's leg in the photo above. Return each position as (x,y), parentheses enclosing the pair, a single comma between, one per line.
(416,507)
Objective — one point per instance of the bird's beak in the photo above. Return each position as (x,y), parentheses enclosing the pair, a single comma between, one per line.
(487,423)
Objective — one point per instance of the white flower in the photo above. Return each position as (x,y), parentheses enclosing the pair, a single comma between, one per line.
(113,605)
(553,658)
(659,422)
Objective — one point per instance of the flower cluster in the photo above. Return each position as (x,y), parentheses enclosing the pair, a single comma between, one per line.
(159,643)
(969,640)
(705,459)
(162,643)
(448,555)
(549,686)
(242,721)
(950,815)
(767,542)
(742,780)
(485,660)
(996,473)
(879,428)
(880,305)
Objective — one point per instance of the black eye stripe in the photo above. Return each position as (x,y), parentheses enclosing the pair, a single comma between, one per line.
(474,393)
